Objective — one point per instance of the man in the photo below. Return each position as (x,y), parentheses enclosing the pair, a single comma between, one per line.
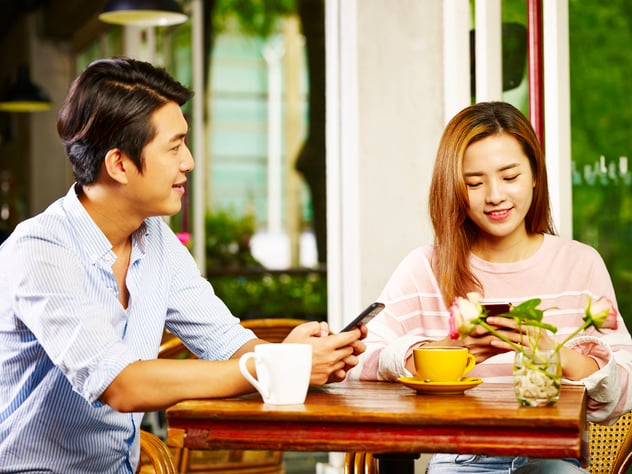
(87,287)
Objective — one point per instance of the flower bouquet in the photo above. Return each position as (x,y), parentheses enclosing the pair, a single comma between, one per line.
(537,371)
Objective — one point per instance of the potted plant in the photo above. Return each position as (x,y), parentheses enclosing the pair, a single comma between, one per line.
(537,371)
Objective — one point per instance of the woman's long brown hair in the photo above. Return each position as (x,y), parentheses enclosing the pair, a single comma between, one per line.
(455,233)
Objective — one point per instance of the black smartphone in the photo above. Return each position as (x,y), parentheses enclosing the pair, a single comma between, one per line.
(365,316)
(494,309)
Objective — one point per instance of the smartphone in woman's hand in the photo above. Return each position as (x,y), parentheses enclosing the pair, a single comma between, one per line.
(494,309)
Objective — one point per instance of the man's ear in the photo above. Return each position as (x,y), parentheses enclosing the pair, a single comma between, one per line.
(115,164)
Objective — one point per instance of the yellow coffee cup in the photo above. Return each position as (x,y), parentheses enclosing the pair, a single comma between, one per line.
(442,363)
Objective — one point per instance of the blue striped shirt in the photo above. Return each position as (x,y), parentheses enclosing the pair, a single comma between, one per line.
(64,336)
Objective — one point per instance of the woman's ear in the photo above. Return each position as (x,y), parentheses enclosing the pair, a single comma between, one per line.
(115,165)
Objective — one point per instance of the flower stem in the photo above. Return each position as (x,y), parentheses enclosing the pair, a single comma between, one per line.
(515,346)
(539,362)
(573,334)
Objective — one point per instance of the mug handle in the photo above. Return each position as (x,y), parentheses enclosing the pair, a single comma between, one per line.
(471,362)
(243,360)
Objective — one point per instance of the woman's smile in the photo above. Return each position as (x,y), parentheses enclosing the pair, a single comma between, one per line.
(499,215)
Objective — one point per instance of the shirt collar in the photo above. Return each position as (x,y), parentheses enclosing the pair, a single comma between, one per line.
(92,240)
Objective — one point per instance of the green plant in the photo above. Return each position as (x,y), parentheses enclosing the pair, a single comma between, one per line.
(228,240)
(250,290)
(261,293)
(256,17)
(537,370)
(467,313)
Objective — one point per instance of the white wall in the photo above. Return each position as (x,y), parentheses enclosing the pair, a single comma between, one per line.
(385,109)
(557,113)
(396,72)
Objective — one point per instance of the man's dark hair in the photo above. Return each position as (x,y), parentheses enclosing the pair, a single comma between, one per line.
(109,105)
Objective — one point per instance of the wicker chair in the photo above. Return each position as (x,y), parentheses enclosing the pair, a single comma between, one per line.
(610,450)
(360,463)
(155,457)
(272,329)
(611,447)
(223,461)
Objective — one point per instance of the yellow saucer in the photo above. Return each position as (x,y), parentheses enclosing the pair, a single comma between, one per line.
(441,387)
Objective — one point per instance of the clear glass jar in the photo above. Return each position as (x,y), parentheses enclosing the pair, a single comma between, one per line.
(537,377)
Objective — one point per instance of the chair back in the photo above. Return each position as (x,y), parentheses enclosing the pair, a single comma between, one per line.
(272,329)
(172,347)
(359,463)
(269,329)
(610,446)
(155,455)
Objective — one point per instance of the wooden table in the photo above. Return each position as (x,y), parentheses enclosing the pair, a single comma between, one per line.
(388,419)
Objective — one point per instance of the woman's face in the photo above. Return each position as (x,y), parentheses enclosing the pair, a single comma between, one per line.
(500,186)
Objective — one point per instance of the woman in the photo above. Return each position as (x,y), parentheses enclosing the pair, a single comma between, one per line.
(489,206)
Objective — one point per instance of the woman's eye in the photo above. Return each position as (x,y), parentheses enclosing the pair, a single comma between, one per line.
(473,185)
(511,178)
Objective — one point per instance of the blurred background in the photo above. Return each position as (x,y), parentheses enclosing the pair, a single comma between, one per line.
(258,215)
(263,124)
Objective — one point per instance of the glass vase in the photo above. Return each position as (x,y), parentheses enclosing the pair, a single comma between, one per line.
(537,377)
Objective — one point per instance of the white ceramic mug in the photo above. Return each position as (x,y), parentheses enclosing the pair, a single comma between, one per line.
(283,372)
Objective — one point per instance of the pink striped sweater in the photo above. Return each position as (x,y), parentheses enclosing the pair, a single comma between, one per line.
(561,273)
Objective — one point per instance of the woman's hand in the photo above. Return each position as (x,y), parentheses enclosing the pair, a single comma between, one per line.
(483,344)
(333,355)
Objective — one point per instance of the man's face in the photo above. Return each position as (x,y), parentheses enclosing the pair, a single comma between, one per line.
(159,189)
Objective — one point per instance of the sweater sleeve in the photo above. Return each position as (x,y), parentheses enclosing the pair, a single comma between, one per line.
(414,313)
(609,389)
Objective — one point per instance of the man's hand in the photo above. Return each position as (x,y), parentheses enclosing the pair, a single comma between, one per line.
(332,354)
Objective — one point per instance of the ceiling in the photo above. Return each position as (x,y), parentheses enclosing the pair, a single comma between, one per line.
(61,18)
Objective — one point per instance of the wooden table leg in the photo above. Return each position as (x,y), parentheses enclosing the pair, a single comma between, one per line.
(396,463)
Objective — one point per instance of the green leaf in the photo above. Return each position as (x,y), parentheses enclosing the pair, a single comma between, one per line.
(528,310)
(528,314)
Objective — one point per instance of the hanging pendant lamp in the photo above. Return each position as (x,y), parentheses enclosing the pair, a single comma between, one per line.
(143,12)
(24,96)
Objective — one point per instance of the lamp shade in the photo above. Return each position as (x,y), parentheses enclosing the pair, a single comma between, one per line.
(143,12)
(24,96)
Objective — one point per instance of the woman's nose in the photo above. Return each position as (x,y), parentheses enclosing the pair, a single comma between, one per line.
(495,192)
